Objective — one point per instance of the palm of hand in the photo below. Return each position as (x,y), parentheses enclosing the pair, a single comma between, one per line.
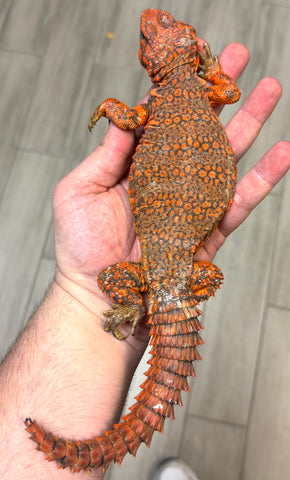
(93,230)
(93,222)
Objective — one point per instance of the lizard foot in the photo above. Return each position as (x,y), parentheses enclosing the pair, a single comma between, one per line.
(207,62)
(94,118)
(120,314)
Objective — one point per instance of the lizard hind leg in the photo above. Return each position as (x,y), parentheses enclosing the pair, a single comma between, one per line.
(205,279)
(123,283)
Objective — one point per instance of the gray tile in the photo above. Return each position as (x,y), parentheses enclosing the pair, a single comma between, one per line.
(49,252)
(213,449)
(281,3)
(5,6)
(266,62)
(43,279)
(280,277)
(64,76)
(28,26)
(267,447)
(24,221)
(121,50)
(18,76)
(222,389)
(68,88)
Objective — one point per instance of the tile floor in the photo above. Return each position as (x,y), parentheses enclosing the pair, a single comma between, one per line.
(57,61)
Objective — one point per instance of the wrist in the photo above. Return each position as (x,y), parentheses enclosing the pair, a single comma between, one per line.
(84,291)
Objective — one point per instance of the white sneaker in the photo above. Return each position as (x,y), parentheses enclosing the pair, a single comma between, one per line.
(172,469)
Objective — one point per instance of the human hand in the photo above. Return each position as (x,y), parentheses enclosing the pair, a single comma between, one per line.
(92,216)
(242,130)
(80,373)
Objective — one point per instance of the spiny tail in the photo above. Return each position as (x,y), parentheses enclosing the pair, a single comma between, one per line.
(174,343)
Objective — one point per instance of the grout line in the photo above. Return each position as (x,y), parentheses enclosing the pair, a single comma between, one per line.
(279,307)
(276,5)
(218,422)
(19,52)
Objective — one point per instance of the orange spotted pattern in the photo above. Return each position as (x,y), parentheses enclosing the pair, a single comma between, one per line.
(181,183)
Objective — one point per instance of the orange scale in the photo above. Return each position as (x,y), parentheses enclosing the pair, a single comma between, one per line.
(197,210)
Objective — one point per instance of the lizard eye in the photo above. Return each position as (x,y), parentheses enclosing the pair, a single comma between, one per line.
(165,20)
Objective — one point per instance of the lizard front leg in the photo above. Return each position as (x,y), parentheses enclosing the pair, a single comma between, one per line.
(123,283)
(223,89)
(120,114)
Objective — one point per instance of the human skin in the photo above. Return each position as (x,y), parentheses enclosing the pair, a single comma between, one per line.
(64,370)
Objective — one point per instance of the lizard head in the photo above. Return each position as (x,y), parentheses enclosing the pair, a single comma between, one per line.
(165,44)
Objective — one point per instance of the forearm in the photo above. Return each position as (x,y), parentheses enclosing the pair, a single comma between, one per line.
(63,372)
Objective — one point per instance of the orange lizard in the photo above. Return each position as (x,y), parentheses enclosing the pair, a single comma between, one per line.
(181,182)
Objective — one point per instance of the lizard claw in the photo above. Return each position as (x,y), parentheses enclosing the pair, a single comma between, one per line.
(120,314)
(207,61)
(94,118)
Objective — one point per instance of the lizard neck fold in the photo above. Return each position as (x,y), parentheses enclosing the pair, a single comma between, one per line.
(186,70)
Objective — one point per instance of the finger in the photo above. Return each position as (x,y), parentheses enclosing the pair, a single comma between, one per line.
(246,124)
(104,167)
(234,59)
(256,185)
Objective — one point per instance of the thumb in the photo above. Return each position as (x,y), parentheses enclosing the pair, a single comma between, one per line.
(104,167)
